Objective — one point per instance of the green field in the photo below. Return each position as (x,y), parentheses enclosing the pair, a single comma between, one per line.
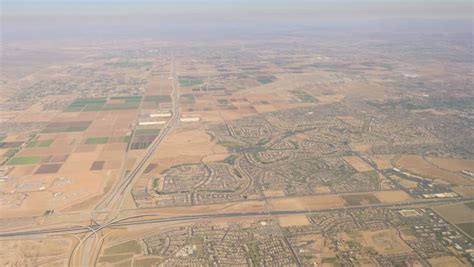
(470,205)
(2,138)
(265,79)
(10,153)
(65,129)
(24,160)
(157,99)
(96,140)
(131,98)
(86,104)
(187,99)
(130,102)
(303,96)
(131,64)
(468,228)
(147,131)
(189,81)
(43,143)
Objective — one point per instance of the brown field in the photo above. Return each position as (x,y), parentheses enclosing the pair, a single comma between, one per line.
(274,193)
(465,191)
(360,199)
(456,213)
(186,146)
(360,147)
(385,242)
(322,189)
(358,164)
(97,165)
(446,261)
(383,162)
(48,168)
(32,252)
(452,164)
(293,220)
(404,182)
(215,157)
(307,202)
(392,196)
(417,165)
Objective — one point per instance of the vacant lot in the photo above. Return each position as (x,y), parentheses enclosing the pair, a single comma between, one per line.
(358,164)
(456,213)
(452,164)
(446,261)
(417,165)
(392,196)
(467,228)
(385,242)
(293,220)
(307,202)
(360,199)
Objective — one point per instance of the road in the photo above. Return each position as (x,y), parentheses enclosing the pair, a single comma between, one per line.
(116,196)
(85,252)
(143,219)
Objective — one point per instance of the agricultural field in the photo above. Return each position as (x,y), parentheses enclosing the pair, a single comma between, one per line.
(283,149)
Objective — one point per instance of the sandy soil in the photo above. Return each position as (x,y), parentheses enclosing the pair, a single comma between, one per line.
(385,242)
(293,220)
(419,166)
(358,164)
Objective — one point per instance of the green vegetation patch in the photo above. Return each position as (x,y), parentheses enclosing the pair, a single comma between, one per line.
(187,99)
(332,261)
(146,262)
(470,204)
(10,152)
(86,104)
(266,79)
(115,258)
(303,96)
(131,246)
(359,199)
(93,107)
(2,138)
(119,139)
(43,143)
(96,140)
(189,81)
(121,106)
(230,159)
(147,131)
(65,129)
(374,179)
(199,243)
(158,98)
(254,253)
(468,228)
(131,98)
(88,101)
(24,160)
(73,109)
(130,64)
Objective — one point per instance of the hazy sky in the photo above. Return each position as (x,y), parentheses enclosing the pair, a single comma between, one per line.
(244,8)
(68,19)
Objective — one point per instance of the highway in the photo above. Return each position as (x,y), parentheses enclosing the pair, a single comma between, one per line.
(143,219)
(110,205)
(116,196)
